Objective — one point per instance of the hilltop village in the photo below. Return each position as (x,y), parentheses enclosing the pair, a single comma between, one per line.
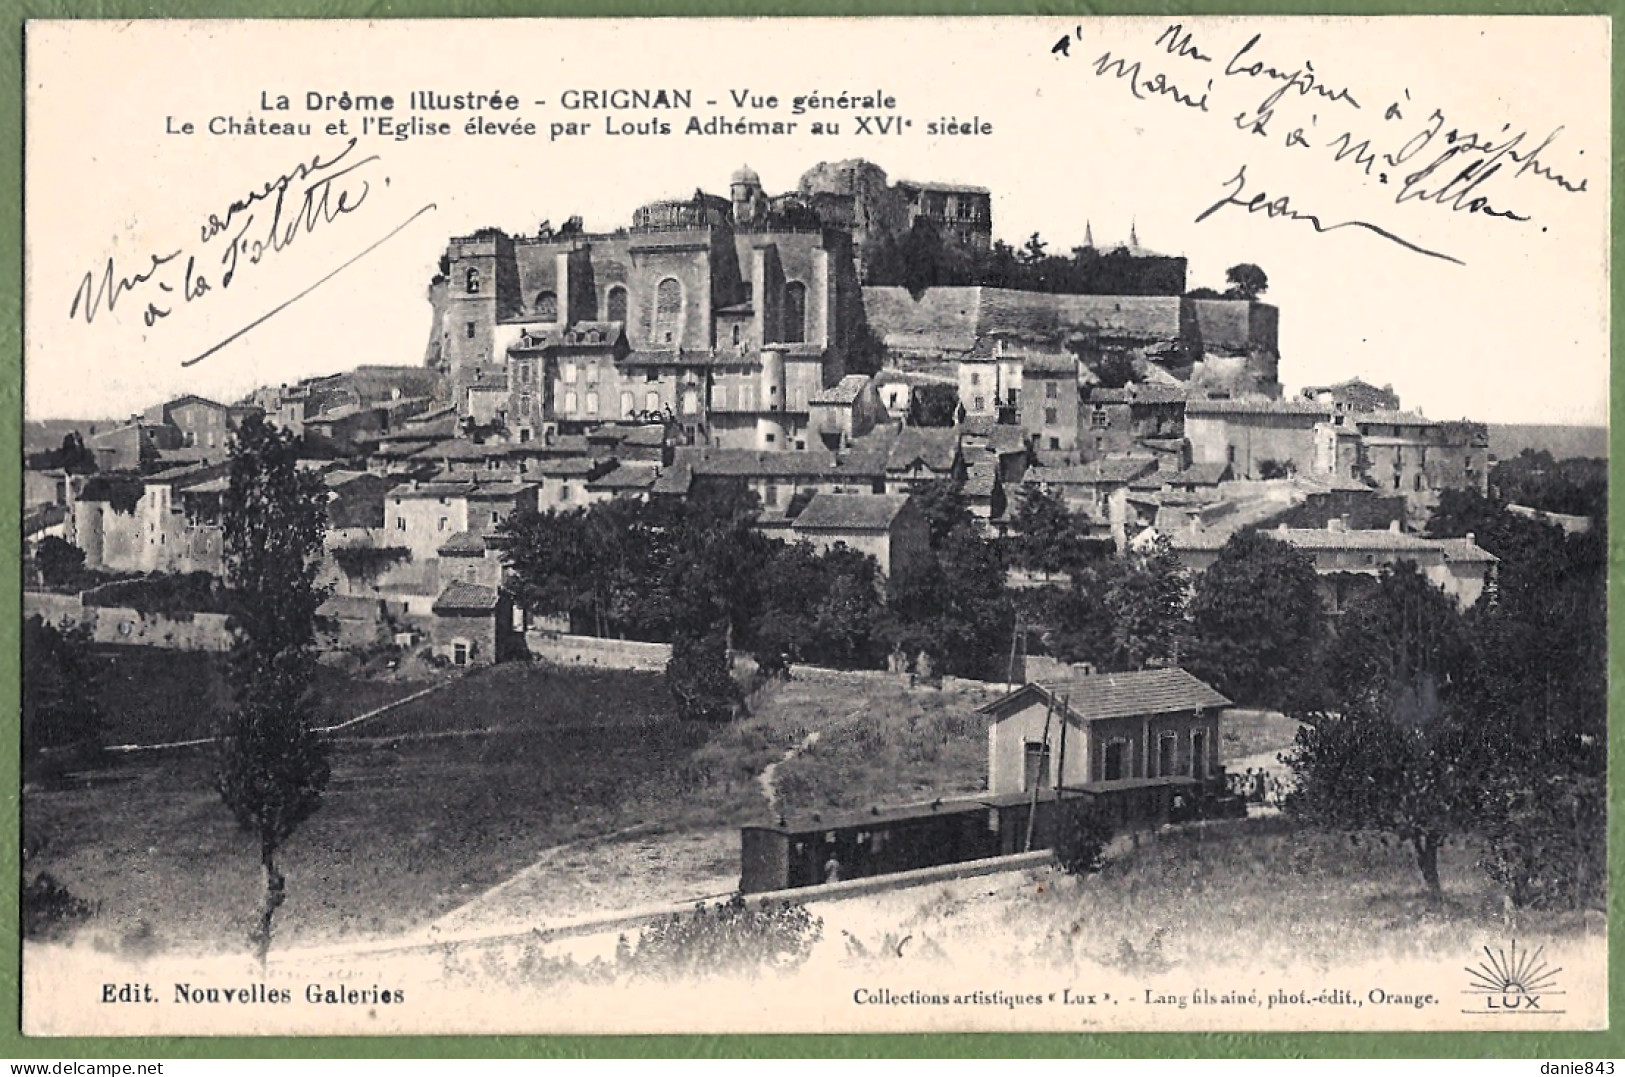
(787,341)
(784,540)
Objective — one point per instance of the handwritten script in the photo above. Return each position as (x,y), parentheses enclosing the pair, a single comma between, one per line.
(1427,159)
(316,194)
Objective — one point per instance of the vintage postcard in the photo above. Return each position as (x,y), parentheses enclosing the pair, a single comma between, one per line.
(815,525)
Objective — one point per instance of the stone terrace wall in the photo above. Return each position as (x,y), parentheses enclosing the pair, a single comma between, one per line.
(569,650)
(121,625)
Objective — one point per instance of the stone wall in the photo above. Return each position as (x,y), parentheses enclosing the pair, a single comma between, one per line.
(121,625)
(568,650)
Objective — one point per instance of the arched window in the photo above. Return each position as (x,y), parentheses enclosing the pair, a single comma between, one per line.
(736,334)
(547,306)
(651,401)
(795,312)
(615,310)
(626,403)
(668,311)
(471,281)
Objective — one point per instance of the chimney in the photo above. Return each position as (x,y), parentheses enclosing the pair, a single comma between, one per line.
(1472,537)
(1393,526)
(1084,669)
(1339,524)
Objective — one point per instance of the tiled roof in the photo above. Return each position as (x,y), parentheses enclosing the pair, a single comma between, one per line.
(1120,695)
(1257,407)
(1392,418)
(1137,394)
(351,607)
(1199,475)
(1465,549)
(469,489)
(1109,470)
(461,449)
(1331,483)
(463,543)
(950,188)
(810,463)
(1007,438)
(460,597)
(676,479)
(980,482)
(1049,364)
(934,448)
(46,517)
(563,467)
(978,426)
(845,391)
(645,436)
(1315,538)
(626,477)
(675,358)
(575,335)
(851,512)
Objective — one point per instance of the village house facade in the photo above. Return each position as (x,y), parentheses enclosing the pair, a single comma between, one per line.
(1099,730)
(887,527)
(1348,561)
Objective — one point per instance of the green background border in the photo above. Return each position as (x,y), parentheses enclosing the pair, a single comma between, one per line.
(1555,1046)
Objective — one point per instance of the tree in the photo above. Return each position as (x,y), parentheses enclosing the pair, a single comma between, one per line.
(1246,281)
(954,609)
(1050,538)
(933,405)
(714,586)
(1257,622)
(1033,250)
(59,687)
(699,679)
(1538,691)
(1120,613)
(1395,751)
(817,607)
(58,560)
(272,766)
(1113,370)
(1146,595)
(942,502)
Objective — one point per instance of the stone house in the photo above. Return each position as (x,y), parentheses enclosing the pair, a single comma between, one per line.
(165,522)
(1050,401)
(1252,435)
(1409,454)
(421,516)
(846,410)
(887,527)
(472,624)
(1097,731)
(1118,421)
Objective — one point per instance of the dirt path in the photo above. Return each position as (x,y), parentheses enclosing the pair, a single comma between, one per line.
(622,870)
(766,779)
(625,869)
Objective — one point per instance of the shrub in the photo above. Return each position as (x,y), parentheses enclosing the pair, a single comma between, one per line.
(1547,844)
(1082,834)
(50,910)
(728,937)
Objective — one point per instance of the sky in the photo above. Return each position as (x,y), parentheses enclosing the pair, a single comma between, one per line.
(1496,309)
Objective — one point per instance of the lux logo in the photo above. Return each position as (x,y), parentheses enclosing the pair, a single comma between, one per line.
(1512,1002)
(1512,981)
